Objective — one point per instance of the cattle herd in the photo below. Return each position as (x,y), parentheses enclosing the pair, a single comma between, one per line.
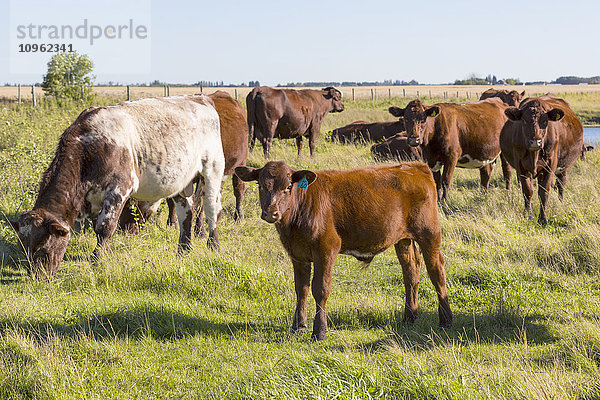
(157,148)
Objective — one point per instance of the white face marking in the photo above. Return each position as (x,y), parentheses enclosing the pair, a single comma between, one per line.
(473,163)
(25,230)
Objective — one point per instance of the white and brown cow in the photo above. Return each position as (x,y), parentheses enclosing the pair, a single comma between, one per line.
(147,149)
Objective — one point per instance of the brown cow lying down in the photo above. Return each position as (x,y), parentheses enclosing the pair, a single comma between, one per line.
(148,149)
(361,131)
(396,148)
(542,138)
(234,139)
(288,114)
(511,98)
(359,212)
(456,135)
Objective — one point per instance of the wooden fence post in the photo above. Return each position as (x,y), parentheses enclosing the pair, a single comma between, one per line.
(353,98)
(389,93)
(168,91)
(430,95)
(457,94)
(417,94)
(372,95)
(235,92)
(128,93)
(19,93)
(33,96)
(403,92)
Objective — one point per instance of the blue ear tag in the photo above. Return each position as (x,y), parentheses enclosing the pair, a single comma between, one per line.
(303,183)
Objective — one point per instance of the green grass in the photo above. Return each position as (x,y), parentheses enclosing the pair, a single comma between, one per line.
(144,323)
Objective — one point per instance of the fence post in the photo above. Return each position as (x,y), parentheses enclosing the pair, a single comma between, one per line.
(372,95)
(430,95)
(168,91)
(389,93)
(235,92)
(417,94)
(128,93)
(200,88)
(33,96)
(353,98)
(457,94)
(19,93)
(403,92)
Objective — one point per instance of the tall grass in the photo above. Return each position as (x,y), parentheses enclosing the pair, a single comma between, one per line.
(145,323)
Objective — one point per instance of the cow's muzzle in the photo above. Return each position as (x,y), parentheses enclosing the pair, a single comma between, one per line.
(414,141)
(270,216)
(535,144)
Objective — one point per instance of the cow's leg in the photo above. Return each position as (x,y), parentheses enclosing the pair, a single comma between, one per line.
(302,284)
(506,171)
(299,145)
(430,245)
(312,138)
(212,204)
(411,269)
(323,262)
(527,187)
(485,173)
(183,208)
(544,186)
(172,218)
(238,191)
(437,177)
(109,216)
(267,138)
(447,178)
(561,182)
(199,229)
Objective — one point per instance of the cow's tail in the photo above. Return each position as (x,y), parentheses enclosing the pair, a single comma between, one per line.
(251,107)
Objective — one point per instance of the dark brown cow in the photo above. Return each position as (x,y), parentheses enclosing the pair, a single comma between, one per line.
(359,212)
(542,138)
(367,132)
(288,114)
(234,138)
(511,98)
(396,148)
(455,135)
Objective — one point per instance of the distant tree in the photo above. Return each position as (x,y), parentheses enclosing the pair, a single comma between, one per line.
(69,76)
(512,81)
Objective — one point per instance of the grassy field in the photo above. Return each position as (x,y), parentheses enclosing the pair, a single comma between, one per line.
(144,323)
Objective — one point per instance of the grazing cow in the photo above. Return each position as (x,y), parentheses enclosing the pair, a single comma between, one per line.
(367,132)
(396,148)
(359,212)
(542,138)
(234,138)
(287,114)
(455,135)
(511,98)
(148,149)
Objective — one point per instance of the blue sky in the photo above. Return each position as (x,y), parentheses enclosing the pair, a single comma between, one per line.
(279,41)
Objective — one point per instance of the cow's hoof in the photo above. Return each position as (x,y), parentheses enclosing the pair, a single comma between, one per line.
(213,245)
(318,336)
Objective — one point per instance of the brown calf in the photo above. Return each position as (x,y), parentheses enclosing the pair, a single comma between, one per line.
(396,148)
(456,135)
(359,212)
(511,98)
(542,138)
(361,131)
(288,114)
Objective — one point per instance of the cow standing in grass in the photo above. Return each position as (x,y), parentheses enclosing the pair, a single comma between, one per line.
(288,114)
(542,138)
(360,212)
(148,149)
(456,135)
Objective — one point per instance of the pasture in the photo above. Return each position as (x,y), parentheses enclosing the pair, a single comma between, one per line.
(145,323)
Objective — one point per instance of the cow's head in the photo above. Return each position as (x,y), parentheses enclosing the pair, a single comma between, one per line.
(514,98)
(43,239)
(415,117)
(535,121)
(277,183)
(335,96)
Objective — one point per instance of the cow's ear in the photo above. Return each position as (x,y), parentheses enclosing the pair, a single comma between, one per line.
(247,174)
(555,114)
(396,111)
(304,178)
(523,93)
(329,92)
(432,111)
(513,113)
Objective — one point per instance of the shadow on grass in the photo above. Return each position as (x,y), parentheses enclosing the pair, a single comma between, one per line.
(142,322)
(494,327)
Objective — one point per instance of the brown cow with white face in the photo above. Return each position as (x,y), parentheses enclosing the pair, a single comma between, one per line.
(288,114)
(455,135)
(360,212)
(542,138)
